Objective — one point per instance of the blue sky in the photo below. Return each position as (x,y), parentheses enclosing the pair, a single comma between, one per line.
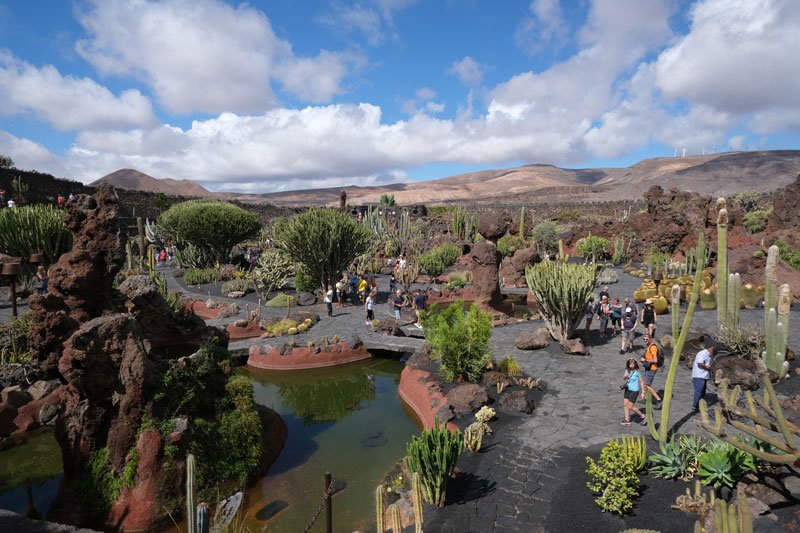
(287,94)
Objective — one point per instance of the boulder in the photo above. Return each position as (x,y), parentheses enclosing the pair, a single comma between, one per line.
(533,340)
(466,398)
(667,342)
(786,212)
(607,276)
(491,378)
(483,261)
(235,294)
(7,415)
(15,396)
(737,371)
(574,347)
(493,224)
(42,388)
(48,414)
(517,401)
(305,298)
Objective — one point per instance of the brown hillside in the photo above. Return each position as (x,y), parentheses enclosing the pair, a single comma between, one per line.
(133,180)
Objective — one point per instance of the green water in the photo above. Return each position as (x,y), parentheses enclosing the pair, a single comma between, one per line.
(30,473)
(345,420)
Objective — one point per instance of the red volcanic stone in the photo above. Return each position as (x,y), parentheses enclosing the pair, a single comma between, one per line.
(200,308)
(27,418)
(302,358)
(250,331)
(466,398)
(423,395)
(137,506)
(7,415)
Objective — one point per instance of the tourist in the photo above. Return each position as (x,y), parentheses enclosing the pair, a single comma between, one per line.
(632,389)
(629,321)
(604,313)
(616,316)
(11,203)
(71,197)
(362,289)
(649,317)
(41,280)
(420,306)
(701,373)
(402,263)
(162,256)
(60,201)
(397,305)
(392,284)
(588,314)
(329,301)
(340,287)
(369,305)
(650,365)
(604,292)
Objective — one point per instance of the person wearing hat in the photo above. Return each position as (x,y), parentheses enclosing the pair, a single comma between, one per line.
(650,364)
(649,317)
(629,321)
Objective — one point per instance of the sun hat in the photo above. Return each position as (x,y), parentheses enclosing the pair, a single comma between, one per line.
(648,301)
(628,310)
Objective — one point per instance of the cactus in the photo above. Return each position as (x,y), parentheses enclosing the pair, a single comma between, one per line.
(522,223)
(771,285)
(190,507)
(129,255)
(698,503)
(677,349)
(202,519)
(473,436)
(675,301)
(397,526)
(730,518)
(635,450)
(380,509)
(722,261)
(760,414)
(459,222)
(734,301)
(416,501)
(433,456)
(750,296)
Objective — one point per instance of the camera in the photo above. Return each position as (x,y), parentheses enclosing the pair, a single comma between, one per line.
(623,386)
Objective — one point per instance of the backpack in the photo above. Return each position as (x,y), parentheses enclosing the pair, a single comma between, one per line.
(660,357)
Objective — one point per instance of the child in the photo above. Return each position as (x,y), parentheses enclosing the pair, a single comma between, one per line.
(369,305)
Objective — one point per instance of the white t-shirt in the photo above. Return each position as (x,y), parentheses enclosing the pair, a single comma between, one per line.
(370,303)
(11,203)
(702,357)
(329,296)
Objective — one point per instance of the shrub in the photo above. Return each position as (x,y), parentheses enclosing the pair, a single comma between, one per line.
(567,215)
(593,247)
(510,366)
(201,276)
(459,340)
(432,264)
(14,340)
(281,300)
(229,272)
(508,244)
(789,254)
(304,281)
(34,228)
(455,282)
(212,227)
(723,465)
(747,201)
(438,258)
(614,479)
(756,221)
(546,236)
(237,285)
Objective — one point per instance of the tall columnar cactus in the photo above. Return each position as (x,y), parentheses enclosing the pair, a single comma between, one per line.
(733,518)
(129,255)
(190,506)
(522,223)
(761,417)
(202,519)
(397,525)
(734,301)
(561,291)
(784,304)
(433,456)
(680,340)
(459,222)
(380,508)
(722,261)
(675,300)
(774,355)
(771,282)
(416,501)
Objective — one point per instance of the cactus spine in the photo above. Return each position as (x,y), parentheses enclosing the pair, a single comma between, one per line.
(397,526)
(675,298)
(380,509)
(433,456)
(190,507)
(722,262)
(416,500)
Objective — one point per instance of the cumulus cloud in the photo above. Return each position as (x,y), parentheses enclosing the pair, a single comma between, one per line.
(67,102)
(203,55)
(469,71)
(543,25)
(423,102)
(374,19)
(29,155)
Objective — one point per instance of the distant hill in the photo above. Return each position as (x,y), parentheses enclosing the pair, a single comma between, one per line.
(133,180)
(713,174)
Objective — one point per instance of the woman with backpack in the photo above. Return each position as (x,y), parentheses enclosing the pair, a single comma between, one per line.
(629,321)
(632,389)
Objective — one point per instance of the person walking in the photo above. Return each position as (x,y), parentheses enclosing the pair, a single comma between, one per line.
(588,314)
(362,289)
(329,301)
(340,288)
(420,305)
(629,321)
(604,313)
(397,305)
(369,305)
(41,280)
(632,389)
(650,364)
(616,317)
(649,317)
(701,373)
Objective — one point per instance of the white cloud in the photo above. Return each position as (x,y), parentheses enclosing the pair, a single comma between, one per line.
(469,71)
(28,155)
(423,102)
(203,55)
(66,102)
(544,25)
(372,18)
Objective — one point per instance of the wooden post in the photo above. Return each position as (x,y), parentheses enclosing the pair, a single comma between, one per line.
(328,504)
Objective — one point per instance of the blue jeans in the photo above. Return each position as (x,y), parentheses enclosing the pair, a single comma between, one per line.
(699,391)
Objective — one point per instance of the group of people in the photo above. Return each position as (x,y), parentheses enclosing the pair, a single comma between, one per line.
(624,318)
(356,288)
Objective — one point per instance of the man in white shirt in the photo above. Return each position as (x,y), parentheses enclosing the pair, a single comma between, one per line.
(701,373)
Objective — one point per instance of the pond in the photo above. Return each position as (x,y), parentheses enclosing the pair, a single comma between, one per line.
(347,420)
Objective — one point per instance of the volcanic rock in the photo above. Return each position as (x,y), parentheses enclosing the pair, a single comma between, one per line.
(466,398)
(42,388)
(517,401)
(483,261)
(493,225)
(786,207)
(737,370)
(15,396)
(305,298)
(574,347)
(535,340)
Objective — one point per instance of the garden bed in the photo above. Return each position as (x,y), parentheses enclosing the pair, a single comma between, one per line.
(284,358)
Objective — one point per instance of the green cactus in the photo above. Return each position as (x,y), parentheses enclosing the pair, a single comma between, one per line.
(750,296)
(473,435)
(771,285)
(522,223)
(202,518)
(397,526)
(433,456)
(190,506)
(734,301)
(416,501)
(722,262)
(380,509)
(730,518)
(675,300)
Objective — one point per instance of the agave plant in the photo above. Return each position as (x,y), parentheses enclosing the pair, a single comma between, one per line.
(671,463)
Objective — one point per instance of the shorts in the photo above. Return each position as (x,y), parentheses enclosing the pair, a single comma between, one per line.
(397,314)
(627,333)
(649,376)
(632,395)
(648,322)
(616,321)
(370,315)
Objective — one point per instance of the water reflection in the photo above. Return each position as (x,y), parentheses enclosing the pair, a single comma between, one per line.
(328,400)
